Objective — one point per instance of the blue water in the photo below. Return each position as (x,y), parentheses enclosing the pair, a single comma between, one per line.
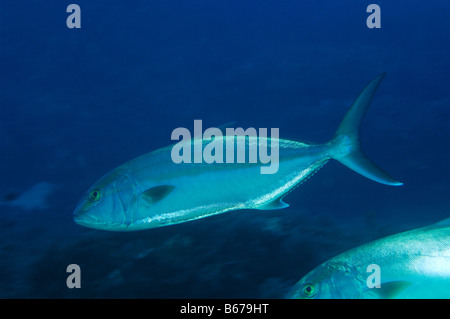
(78,102)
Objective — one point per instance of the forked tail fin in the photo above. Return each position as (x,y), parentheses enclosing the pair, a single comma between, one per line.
(345,145)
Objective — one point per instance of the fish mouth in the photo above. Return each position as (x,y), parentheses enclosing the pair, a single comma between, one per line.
(85,219)
(89,221)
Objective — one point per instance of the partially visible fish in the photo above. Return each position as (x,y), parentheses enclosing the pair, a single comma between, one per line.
(34,198)
(152,191)
(412,265)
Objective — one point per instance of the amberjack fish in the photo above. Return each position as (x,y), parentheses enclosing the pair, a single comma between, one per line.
(152,190)
(410,265)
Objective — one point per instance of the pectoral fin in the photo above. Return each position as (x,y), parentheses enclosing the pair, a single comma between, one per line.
(157,193)
(391,289)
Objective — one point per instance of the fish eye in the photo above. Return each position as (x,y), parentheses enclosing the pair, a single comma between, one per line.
(308,290)
(95,195)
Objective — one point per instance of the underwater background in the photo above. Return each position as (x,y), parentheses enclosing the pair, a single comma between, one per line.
(76,103)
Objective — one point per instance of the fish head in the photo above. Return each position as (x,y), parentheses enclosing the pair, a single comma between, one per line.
(109,203)
(331,280)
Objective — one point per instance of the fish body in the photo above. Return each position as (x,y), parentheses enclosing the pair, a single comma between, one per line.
(152,190)
(189,191)
(412,265)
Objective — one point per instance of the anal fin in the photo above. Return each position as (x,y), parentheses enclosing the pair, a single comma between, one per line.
(275,204)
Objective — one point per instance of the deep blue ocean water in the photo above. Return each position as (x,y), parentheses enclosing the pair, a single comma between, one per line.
(76,103)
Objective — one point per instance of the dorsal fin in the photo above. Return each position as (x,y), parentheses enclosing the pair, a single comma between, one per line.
(223,127)
(445,222)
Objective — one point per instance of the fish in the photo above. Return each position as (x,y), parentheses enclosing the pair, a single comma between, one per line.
(35,198)
(152,191)
(414,264)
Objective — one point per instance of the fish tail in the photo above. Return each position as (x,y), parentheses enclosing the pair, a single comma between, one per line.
(345,145)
